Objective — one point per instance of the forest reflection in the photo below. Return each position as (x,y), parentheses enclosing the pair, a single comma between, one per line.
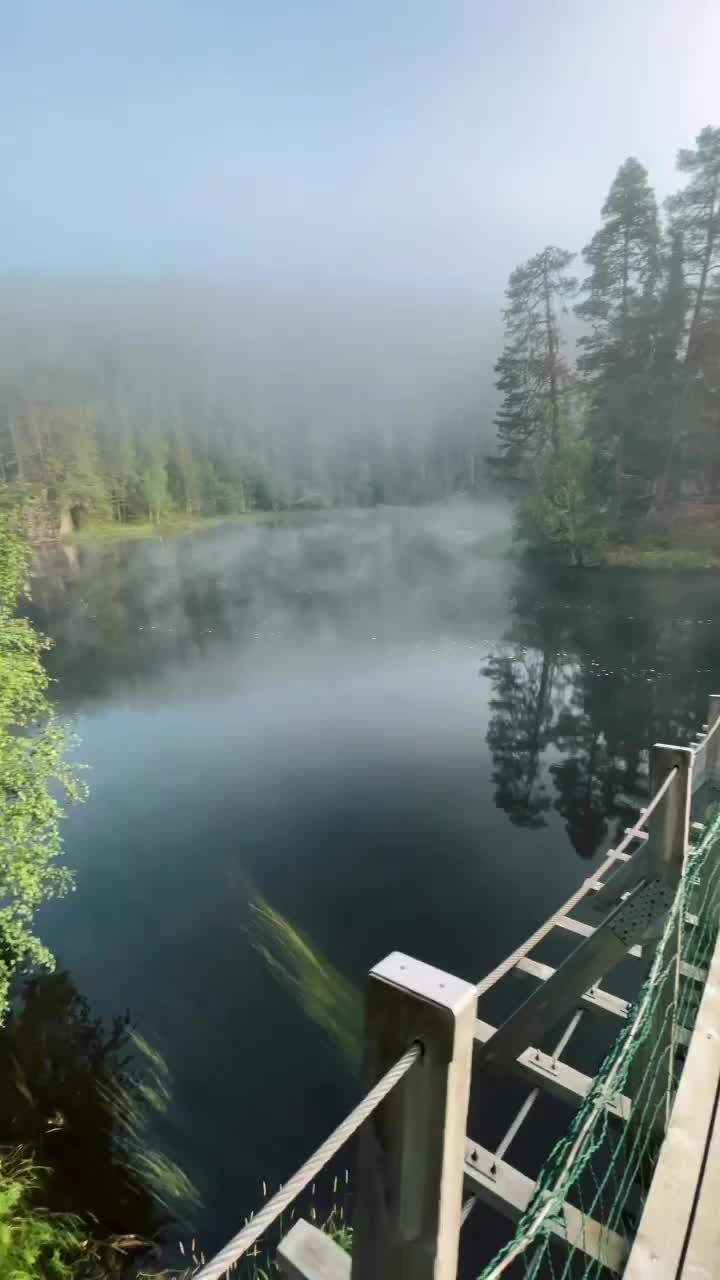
(581,685)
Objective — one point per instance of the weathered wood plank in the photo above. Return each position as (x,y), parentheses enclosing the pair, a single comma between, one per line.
(597,1000)
(554,1076)
(570,925)
(712,751)
(702,1254)
(596,956)
(664,1224)
(508,1191)
(306,1253)
(621,881)
(668,826)
(692,972)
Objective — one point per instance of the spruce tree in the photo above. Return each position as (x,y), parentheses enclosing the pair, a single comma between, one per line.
(531,373)
(695,214)
(619,307)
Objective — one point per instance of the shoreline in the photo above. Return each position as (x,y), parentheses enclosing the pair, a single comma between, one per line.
(623,557)
(113,531)
(662,559)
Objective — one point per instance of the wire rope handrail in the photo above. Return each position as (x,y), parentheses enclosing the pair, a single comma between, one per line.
(505,966)
(711,731)
(240,1243)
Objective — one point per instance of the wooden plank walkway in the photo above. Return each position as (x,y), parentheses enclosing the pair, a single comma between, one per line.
(679,1233)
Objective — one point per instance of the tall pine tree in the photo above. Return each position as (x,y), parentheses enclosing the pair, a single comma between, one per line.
(695,214)
(531,373)
(624,260)
(668,437)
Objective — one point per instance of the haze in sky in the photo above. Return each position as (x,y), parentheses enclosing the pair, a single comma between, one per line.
(424,141)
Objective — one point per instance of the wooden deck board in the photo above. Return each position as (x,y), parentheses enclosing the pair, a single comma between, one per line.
(667,1216)
(702,1256)
(508,1191)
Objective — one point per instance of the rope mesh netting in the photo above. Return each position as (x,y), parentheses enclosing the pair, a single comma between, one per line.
(601,1167)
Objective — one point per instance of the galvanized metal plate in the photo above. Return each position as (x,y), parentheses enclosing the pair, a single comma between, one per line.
(634,917)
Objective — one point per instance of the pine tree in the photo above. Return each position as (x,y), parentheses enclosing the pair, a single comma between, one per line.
(154,476)
(669,374)
(672,304)
(695,214)
(531,373)
(619,303)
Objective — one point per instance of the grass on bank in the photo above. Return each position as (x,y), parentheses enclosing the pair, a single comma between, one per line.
(169,526)
(262,1266)
(36,1244)
(629,557)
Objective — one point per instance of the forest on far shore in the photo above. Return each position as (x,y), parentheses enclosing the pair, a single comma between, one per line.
(186,401)
(136,400)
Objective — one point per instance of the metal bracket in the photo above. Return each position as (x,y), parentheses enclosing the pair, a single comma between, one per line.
(633,918)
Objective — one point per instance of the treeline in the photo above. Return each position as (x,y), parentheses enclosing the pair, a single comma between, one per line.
(612,440)
(118,406)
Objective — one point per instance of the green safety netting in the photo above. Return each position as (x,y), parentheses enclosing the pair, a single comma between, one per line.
(601,1167)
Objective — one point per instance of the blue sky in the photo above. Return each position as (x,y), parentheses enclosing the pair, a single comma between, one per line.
(424,141)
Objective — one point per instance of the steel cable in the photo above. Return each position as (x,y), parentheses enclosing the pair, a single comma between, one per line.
(246,1238)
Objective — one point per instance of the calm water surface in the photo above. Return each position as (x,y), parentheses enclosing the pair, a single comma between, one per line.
(314,742)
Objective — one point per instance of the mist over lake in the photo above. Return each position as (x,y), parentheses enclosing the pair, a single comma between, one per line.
(360,731)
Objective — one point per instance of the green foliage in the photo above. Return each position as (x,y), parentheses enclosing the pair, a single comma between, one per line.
(623,257)
(35,1244)
(648,367)
(33,767)
(565,513)
(695,217)
(110,431)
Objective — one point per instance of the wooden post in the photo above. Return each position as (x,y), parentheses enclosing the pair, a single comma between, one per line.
(407,1221)
(668,827)
(712,751)
(651,1071)
(631,920)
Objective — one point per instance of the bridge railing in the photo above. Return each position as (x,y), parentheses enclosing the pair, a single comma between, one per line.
(419,1035)
(422,1040)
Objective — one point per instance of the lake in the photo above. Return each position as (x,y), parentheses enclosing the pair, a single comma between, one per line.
(313,741)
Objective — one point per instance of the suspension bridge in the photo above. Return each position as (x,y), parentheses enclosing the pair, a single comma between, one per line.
(631,1185)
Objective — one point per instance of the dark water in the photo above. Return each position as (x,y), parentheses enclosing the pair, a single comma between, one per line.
(375,730)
